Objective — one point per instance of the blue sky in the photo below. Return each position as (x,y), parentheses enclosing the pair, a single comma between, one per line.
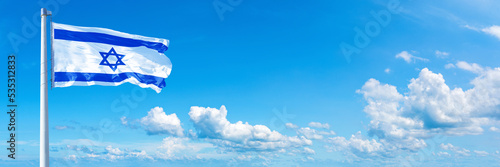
(422,90)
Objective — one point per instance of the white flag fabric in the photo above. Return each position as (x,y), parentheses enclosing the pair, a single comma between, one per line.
(84,56)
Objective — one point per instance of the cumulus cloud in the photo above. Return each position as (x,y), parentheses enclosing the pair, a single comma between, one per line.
(431,107)
(357,145)
(180,147)
(157,122)
(213,125)
(113,151)
(409,57)
(319,125)
(172,145)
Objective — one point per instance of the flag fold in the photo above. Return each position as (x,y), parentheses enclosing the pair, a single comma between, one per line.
(84,56)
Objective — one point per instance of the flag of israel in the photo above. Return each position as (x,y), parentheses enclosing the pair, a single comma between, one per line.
(86,56)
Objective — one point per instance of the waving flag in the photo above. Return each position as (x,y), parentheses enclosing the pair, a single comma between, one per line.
(86,56)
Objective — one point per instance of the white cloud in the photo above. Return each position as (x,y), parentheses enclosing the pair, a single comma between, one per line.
(92,155)
(448,146)
(180,147)
(113,154)
(443,154)
(72,158)
(319,125)
(493,30)
(130,124)
(76,148)
(172,145)
(441,54)
(63,127)
(157,122)
(357,145)
(494,129)
(457,150)
(192,134)
(387,70)
(212,124)
(409,57)
(305,150)
(114,151)
(124,120)
(475,68)
(141,155)
(313,134)
(481,153)
(471,28)
(308,150)
(449,65)
(245,157)
(325,133)
(291,126)
(170,148)
(463,152)
(430,107)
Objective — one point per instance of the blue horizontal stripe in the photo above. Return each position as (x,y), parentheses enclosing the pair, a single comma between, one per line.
(107,39)
(77,76)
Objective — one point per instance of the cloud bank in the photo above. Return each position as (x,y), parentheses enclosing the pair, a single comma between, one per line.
(157,122)
(211,123)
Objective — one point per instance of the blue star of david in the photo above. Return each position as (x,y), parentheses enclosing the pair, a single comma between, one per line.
(111,52)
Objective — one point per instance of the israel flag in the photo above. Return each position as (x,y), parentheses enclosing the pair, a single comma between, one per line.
(84,56)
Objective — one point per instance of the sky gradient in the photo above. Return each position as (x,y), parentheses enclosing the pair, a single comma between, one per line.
(260,83)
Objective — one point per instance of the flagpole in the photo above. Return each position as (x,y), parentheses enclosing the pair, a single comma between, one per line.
(44,120)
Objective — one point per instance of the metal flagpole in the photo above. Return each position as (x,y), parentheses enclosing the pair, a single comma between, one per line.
(44,120)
